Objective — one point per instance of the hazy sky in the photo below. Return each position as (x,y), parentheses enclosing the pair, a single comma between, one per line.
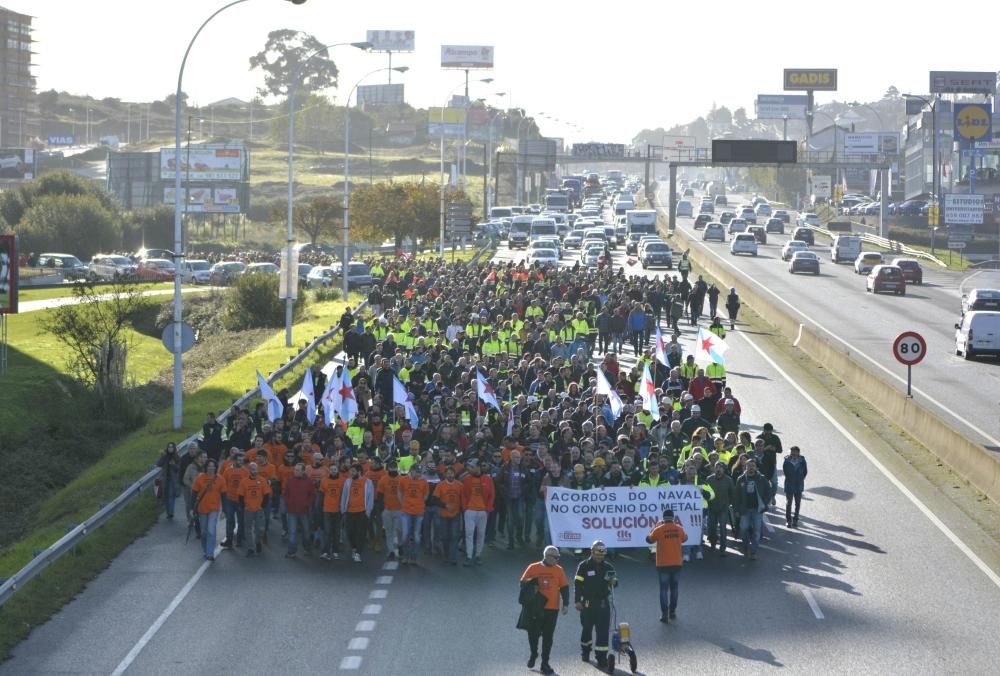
(613,70)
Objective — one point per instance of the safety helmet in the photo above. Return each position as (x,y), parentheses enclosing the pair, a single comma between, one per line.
(599,547)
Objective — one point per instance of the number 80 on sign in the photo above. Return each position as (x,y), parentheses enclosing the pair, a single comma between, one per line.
(909,348)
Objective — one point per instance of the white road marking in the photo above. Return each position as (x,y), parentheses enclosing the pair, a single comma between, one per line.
(948,533)
(383,579)
(390,565)
(767,524)
(365,625)
(350,663)
(358,643)
(993,440)
(164,616)
(372,609)
(378,593)
(798,337)
(812,604)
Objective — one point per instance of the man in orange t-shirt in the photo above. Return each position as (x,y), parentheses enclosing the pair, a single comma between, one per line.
(207,489)
(254,496)
(390,498)
(415,490)
(448,494)
(477,502)
(331,489)
(552,584)
(668,535)
(234,476)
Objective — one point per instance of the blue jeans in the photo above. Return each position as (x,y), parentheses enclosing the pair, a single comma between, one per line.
(169,495)
(411,527)
(296,521)
(669,576)
(449,528)
(541,523)
(515,520)
(750,525)
(208,522)
(234,519)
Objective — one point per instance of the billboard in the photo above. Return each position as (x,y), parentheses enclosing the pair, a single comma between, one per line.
(62,140)
(872,143)
(973,122)
(380,94)
(8,274)
(537,154)
(811,79)
(207,163)
(466,56)
(779,106)
(963,209)
(18,163)
(753,151)
(449,121)
(391,41)
(207,200)
(599,150)
(963,82)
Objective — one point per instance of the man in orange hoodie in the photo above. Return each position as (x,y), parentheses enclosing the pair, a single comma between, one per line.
(477,501)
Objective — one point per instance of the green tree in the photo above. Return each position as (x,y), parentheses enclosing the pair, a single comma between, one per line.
(77,224)
(315,219)
(740,117)
(253,303)
(397,211)
(14,203)
(283,53)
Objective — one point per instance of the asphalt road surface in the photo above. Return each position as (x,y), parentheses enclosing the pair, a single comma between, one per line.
(964,393)
(868,582)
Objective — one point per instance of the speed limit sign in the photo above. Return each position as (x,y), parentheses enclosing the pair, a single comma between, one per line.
(909,348)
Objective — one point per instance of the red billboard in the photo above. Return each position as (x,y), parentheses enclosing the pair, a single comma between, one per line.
(8,274)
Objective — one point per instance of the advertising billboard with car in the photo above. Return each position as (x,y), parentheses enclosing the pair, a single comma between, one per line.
(18,163)
(8,274)
(204,163)
(207,200)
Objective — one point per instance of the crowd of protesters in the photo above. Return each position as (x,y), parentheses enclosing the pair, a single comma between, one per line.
(461,474)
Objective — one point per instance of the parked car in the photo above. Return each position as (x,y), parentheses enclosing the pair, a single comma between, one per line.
(359,275)
(111,267)
(912,272)
(262,269)
(867,260)
(68,265)
(320,277)
(978,333)
(304,269)
(155,270)
(911,207)
(143,254)
(196,271)
(226,272)
(743,242)
(804,261)
(775,225)
(806,235)
(714,231)
(884,278)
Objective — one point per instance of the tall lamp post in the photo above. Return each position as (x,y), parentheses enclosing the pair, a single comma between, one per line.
(178,230)
(520,179)
(293,85)
(347,167)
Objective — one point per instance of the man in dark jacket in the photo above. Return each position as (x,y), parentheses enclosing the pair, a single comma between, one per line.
(795,471)
(211,434)
(719,506)
(753,491)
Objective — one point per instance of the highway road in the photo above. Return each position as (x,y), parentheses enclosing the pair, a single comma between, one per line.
(869,581)
(964,393)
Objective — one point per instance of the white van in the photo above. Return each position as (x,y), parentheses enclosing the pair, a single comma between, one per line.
(500,212)
(978,334)
(845,248)
(543,227)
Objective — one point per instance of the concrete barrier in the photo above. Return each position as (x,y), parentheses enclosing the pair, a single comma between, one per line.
(970,460)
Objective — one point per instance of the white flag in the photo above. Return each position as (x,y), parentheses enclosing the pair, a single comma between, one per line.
(709,348)
(309,394)
(661,348)
(486,393)
(275,408)
(402,398)
(647,389)
(329,397)
(348,405)
(604,387)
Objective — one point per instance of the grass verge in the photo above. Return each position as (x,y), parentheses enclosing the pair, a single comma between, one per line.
(125,462)
(26,294)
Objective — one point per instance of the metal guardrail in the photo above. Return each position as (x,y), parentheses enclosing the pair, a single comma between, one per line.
(885,243)
(68,542)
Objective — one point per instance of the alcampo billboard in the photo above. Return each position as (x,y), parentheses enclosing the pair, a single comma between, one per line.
(207,163)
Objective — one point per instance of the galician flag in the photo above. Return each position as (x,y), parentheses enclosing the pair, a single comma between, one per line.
(709,348)
(402,397)
(330,395)
(341,397)
(647,390)
(485,391)
(275,408)
(604,387)
(309,394)
(661,348)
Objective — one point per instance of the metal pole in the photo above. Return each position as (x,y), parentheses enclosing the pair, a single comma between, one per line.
(909,380)
(178,253)
(347,190)
(441,234)
(936,179)
(465,129)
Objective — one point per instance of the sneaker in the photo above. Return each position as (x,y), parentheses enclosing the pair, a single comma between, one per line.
(335,556)
(753,557)
(226,544)
(664,620)
(673,614)
(210,557)
(546,669)
(531,661)
(355,557)
(479,561)
(468,564)
(687,557)
(289,555)
(392,556)
(698,556)
(324,557)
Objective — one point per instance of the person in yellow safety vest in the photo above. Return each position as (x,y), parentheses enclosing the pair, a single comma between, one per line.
(689,370)
(717,328)
(505,332)
(380,330)
(716,372)
(516,324)
(404,372)
(430,324)
(378,271)
(406,324)
(534,310)
(512,346)
(557,332)
(399,335)
(490,345)
(581,329)
(651,478)
(407,461)
(707,493)
(474,329)
(466,419)
(688,452)
(356,433)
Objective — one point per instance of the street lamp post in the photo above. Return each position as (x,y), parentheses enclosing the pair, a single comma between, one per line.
(347,168)
(178,231)
(290,239)
(441,135)
(520,179)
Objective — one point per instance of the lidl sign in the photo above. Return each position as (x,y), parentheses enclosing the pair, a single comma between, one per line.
(973,121)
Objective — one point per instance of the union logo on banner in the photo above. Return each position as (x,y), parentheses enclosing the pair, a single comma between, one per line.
(624,536)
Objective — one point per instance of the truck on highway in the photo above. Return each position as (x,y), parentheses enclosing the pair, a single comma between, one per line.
(557,200)
(574,184)
(716,188)
(640,221)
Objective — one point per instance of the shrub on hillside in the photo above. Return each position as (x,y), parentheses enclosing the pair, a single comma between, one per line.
(253,303)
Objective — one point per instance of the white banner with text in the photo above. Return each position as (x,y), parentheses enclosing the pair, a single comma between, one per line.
(621,517)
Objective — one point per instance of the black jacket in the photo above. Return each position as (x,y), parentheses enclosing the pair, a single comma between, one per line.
(593,581)
(532,606)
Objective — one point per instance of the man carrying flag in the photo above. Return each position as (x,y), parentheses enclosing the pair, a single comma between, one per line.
(647,390)
(486,393)
(401,397)
(614,401)
(308,394)
(340,395)
(275,408)
(709,349)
